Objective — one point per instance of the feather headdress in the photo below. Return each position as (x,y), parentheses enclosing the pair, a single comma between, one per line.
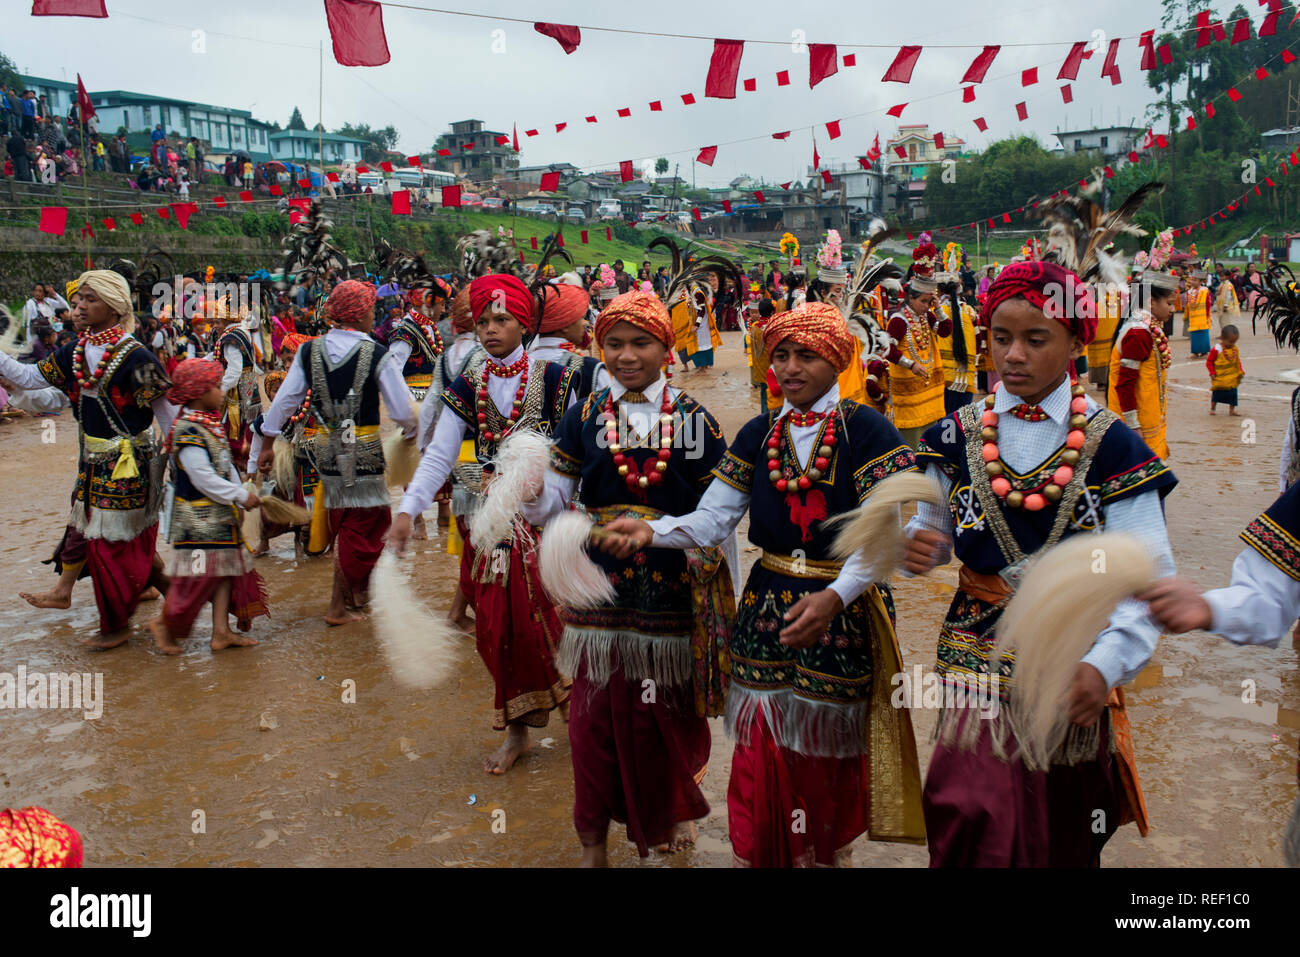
(1278,304)
(856,305)
(482,253)
(1078,232)
(684,276)
(539,286)
(309,251)
(407,269)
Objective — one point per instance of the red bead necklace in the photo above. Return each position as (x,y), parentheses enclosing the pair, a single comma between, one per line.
(304,410)
(430,331)
(996,468)
(627,467)
(80,370)
(782,468)
(516,368)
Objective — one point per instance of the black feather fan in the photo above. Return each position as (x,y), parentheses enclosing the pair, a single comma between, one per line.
(1279,306)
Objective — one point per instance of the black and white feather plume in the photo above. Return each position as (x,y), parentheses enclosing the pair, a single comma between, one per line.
(309,250)
(685,275)
(407,269)
(1279,306)
(1078,232)
(539,286)
(856,304)
(483,252)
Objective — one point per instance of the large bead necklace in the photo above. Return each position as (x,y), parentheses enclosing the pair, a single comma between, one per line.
(782,468)
(431,333)
(1161,341)
(209,420)
(1051,491)
(80,370)
(304,410)
(517,368)
(627,467)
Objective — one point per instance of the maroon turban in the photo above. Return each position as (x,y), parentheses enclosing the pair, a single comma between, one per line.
(351,302)
(503,289)
(1059,293)
(193,377)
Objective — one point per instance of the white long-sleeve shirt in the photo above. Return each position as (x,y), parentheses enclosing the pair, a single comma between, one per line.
(1126,644)
(29,377)
(1260,604)
(722,507)
(443,450)
(198,467)
(234,366)
(551,348)
(392,387)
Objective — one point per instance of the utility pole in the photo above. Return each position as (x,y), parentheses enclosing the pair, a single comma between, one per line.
(320,114)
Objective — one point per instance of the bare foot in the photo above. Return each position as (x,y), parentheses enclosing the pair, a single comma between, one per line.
(150,594)
(262,549)
(47,599)
(346,618)
(419,531)
(105,642)
(225,638)
(464,623)
(595,855)
(503,758)
(684,835)
(1232,413)
(1212,412)
(162,637)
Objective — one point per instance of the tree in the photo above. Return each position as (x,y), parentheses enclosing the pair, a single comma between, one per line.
(296,121)
(378,142)
(9,74)
(661,165)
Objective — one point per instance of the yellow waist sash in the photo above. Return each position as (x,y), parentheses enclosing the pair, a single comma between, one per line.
(801,567)
(125,467)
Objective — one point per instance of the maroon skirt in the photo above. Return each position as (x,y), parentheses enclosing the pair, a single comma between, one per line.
(982,811)
(635,762)
(358,536)
(187,594)
(120,572)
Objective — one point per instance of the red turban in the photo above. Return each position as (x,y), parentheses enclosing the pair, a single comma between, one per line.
(33,837)
(462,319)
(416,296)
(351,302)
(1059,293)
(564,305)
(504,290)
(293,340)
(639,309)
(193,377)
(816,326)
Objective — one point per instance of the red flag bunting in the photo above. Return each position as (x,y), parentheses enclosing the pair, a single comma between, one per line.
(1191,122)
(1161,142)
(54,219)
(786,184)
(625,171)
(1147,43)
(968,94)
(759,197)
(990,222)
(559,240)
(163,212)
(387,167)
(357,32)
(980,65)
(895,110)
(1022,111)
(220,201)
(823,61)
(362,168)
(900,71)
(502,140)
(726,205)
(826,176)
(695,211)
(1109,67)
(69,8)
(938,141)
(609,234)
(583,236)
(1165,53)
(783,78)
(1209,110)
(750,85)
(110,224)
(724,65)
(1029,77)
(1233,94)
(656,106)
(1202,29)
(276,190)
(1006,217)
(464,146)
(402,202)
(414,161)
(183,212)
(1073,59)
(1261,74)
(1269,26)
(1067,95)
(833,129)
(137,218)
(559,127)
(451,196)
(566,36)
(625,112)
(900,152)
(550,182)
(707,155)
(526,133)
(980,124)
(304,183)
(1288,56)
(1240,31)
(688,99)
(532,241)
(850,59)
(781,136)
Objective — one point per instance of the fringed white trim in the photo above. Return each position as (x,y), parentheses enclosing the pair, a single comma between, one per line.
(465,502)
(209,562)
(818,728)
(112,525)
(664,659)
(1079,747)
(366,492)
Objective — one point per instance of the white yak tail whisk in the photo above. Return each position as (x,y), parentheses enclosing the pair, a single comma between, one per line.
(519,470)
(569,575)
(874,527)
(420,646)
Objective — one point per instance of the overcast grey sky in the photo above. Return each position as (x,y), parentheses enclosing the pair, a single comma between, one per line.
(262,56)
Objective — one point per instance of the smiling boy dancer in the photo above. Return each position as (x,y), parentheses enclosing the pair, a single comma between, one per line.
(516,625)
(821,755)
(1035,461)
(639,760)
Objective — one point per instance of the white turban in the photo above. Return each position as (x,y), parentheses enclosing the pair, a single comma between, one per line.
(111,287)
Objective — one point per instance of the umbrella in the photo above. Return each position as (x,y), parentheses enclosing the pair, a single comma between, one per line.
(389,290)
(275,164)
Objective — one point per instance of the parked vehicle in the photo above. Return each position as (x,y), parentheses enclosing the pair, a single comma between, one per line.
(609,209)
(494,202)
(471,199)
(541,209)
(575,212)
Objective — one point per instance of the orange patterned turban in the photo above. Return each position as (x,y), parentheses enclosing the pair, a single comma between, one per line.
(33,837)
(640,309)
(816,326)
(293,341)
(462,318)
(564,305)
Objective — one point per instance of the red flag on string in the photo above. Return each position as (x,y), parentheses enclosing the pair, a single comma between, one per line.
(183,212)
(514,132)
(786,184)
(220,201)
(69,8)
(1240,31)
(1067,95)
(362,168)
(1165,53)
(1006,217)
(817,162)
(414,161)
(1269,180)
(559,127)
(332,177)
(1161,142)
(1073,59)
(656,106)
(938,141)
(1021,111)
(54,219)
(707,155)
(724,65)
(900,71)
(402,202)
(464,146)
(304,183)
(1209,111)
(688,99)
(759,197)
(163,212)
(780,136)
(1191,122)
(726,205)
(502,140)
(696,212)
(559,239)
(1146,42)
(387,167)
(625,112)
(833,129)
(1202,29)
(550,182)
(783,78)
(357,32)
(980,124)
(1029,77)
(245,196)
(980,65)
(276,190)
(137,218)
(1233,94)
(1269,26)
(968,94)
(1133,157)
(1261,74)
(566,36)
(609,234)
(823,61)
(1288,56)
(109,223)
(896,110)
(1109,67)
(301,203)
(750,85)
(826,176)
(451,196)
(532,241)
(990,222)
(625,171)
(526,133)
(1110,173)
(583,236)
(864,162)
(850,59)
(900,152)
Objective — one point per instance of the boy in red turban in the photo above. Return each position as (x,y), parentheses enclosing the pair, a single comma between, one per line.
(515,624)
(812,649)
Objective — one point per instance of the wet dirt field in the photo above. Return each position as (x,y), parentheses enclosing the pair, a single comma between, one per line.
(180,770)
